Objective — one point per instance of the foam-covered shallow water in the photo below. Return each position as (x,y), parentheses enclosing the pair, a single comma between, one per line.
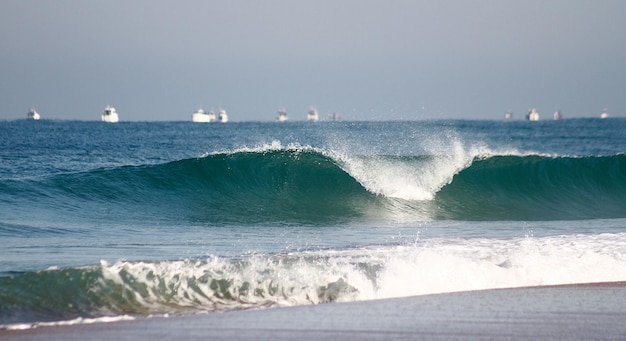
(435,265)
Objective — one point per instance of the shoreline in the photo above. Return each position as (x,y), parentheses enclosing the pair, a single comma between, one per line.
(572,311)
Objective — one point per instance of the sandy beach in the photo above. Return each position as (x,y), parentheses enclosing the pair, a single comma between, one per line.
(580,312)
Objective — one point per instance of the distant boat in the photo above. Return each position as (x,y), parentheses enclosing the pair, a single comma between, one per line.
(202,116)
(110,115)
(334,117)
(282,115)
(558,115)
(604,114)
(33,115)
(312,116)
(223,116)
(532,115)
(508,115)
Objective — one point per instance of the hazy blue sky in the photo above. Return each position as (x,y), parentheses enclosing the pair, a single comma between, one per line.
(161,60)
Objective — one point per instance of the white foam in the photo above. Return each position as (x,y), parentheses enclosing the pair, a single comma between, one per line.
(423,267)
(76,321)
(477,264)
(412,178)
(273,146)
(426,267)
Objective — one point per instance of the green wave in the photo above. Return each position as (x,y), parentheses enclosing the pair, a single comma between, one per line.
(311,187)
(537,188)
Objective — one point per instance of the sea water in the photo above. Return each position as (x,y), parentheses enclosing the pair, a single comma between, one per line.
(104,221)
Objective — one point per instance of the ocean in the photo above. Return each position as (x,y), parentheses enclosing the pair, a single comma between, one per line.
(102,222)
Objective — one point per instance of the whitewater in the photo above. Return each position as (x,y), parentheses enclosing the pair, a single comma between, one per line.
(101,222)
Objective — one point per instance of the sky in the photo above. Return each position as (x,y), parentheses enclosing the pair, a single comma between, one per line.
(156,60)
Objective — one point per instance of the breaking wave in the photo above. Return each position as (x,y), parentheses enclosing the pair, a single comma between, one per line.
(135,288)
(304,185)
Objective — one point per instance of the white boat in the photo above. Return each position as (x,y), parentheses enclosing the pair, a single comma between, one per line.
(110,115)
(508,115)
(33,115)
(203,116)
(532,115)
(282,115)
(604,114)
(312,116)
(223,116)
(558,115)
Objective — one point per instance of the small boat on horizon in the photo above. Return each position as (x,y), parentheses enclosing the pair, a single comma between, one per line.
(604,114)
(312,115)
(532,115)
(558,115)
(33,115)
(282,115)
(223,116)
(202,116)
(110,115)
(508,115)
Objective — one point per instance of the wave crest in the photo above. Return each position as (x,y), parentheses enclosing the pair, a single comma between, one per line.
(307,186)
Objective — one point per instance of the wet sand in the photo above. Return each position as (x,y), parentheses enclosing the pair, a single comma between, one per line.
(571,312)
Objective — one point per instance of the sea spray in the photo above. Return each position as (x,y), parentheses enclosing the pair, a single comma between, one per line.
(403,177)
